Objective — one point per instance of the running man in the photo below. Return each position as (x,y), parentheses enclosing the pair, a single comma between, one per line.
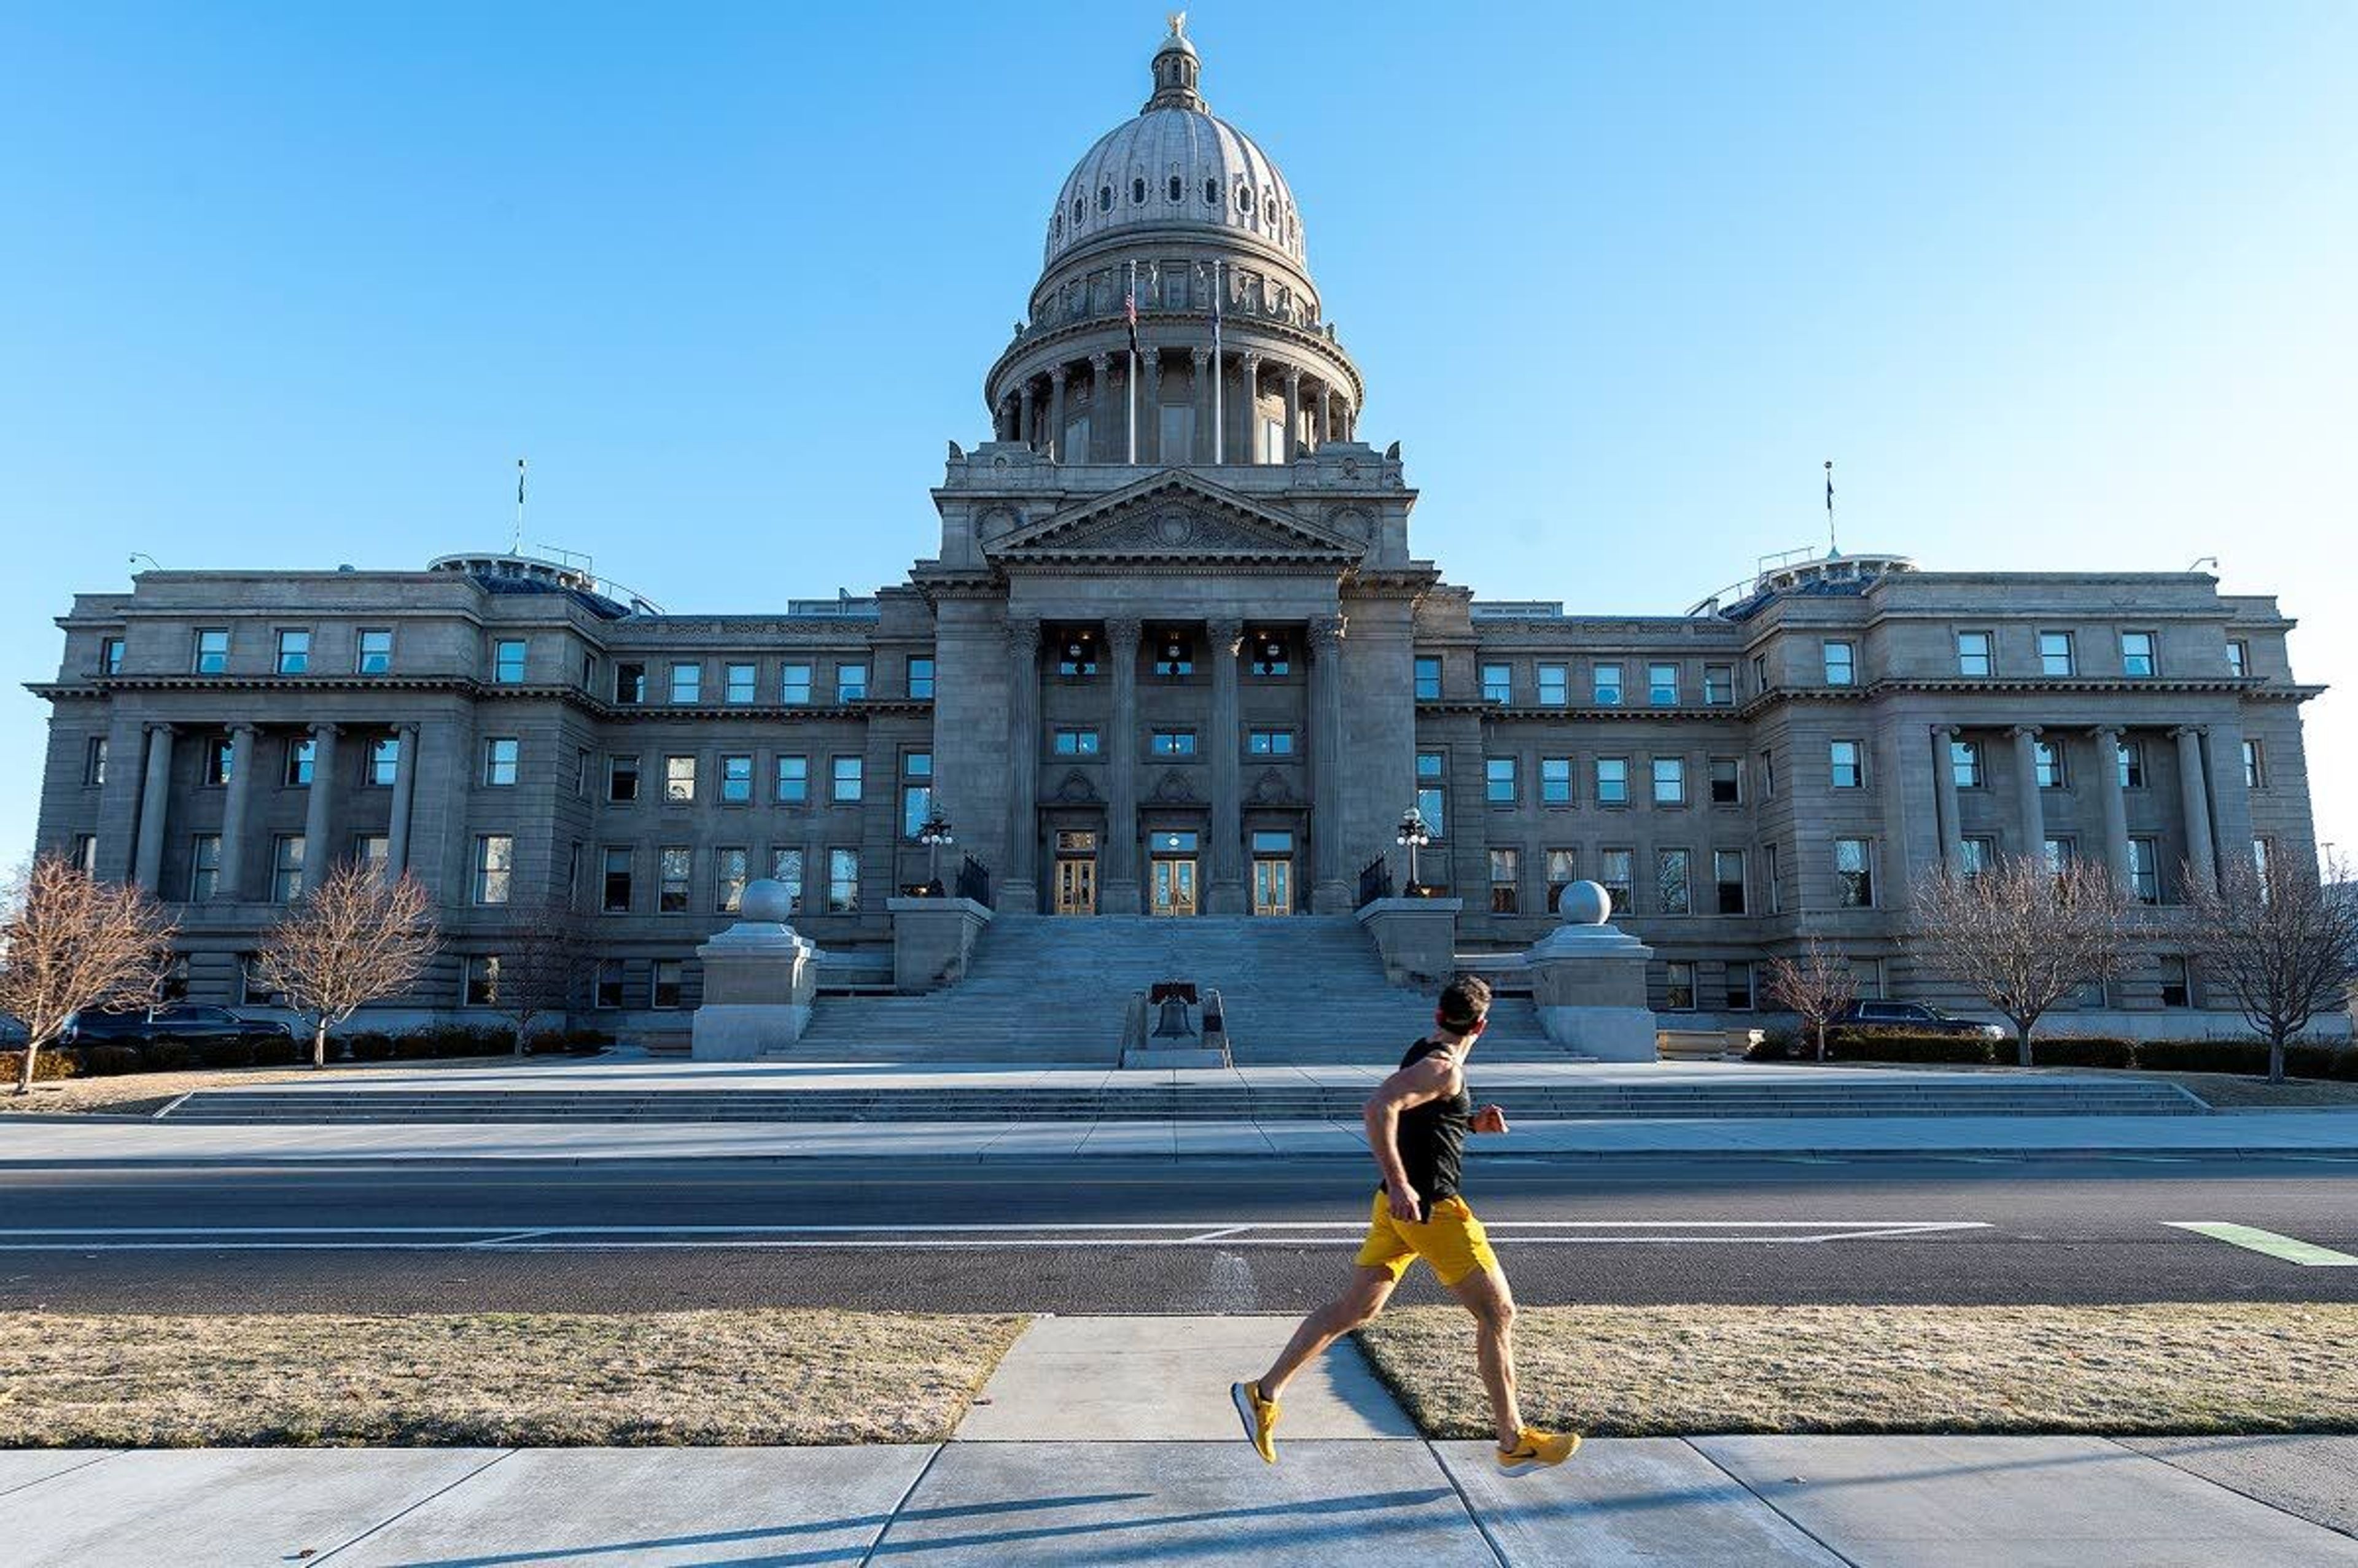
(1417,1123)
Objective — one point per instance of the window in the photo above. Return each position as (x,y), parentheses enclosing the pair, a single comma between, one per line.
(848,776)
(1498,683)
(679,780)
(675,870)
(1965,764)
(687,683)
(1605,684)
(1976,855)
(2131,756)
(786,870)
(2144,870)
(737,779)
(294,653)
(1562,871)
(1269,743)
(482,980)
(1272,440)
(1673,877)
(669,980)
(1847,761)
(843,881)
(286,867)
(1555,685)
(1173,743)
(2055,654)
(2137,655)
(1670,781)
(589,670)
(850,683)
(2059,853)
(1759,672)
(1612,781)
(1974,653)
(299,755)
(204,867)
(1842,663)
(1432,795)
(623,779)
(1768,776)
(383,760)
(1078,656)
(1270,656)
(1614,871)
(1072,742)
(85,853)
(608,987)
(500,761)
(220,758)
(581,772)
(1428,680)
(2047,762)
(1775,889)
(739,682)
(1506,866)
(917,806)
(1855,873)
(2263,861)
(794,685)
(212,651)
(495,867)
(1662,686)
(375,655)
(1555,780)
(2255,766)
(1868,972)
(2175,989)
(1728,780)
(1678,985)
(729,879)
(1719,686)
(2239,665)
(373,851)
(921,676)
(507,661)
(93,761)
(614,896)
(1499,780)
(630,684)
(794,780)
(110,656)
(1740,988)
(1727,876)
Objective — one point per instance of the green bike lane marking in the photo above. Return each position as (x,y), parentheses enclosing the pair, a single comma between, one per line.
(2289,1248)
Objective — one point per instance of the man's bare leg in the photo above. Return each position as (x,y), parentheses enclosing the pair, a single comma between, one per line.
(1370,1287)
(1488,1297)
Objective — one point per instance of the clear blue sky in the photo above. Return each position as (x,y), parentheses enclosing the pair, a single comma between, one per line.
(2056,285)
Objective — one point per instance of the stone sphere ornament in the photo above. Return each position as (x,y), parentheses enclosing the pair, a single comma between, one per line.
(1585,903)
(766,902)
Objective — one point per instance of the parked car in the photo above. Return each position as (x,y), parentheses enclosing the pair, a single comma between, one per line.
(185,1022)
(1916,1017)
(13,1032)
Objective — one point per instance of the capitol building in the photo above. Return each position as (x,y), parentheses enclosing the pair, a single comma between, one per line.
(1174,655)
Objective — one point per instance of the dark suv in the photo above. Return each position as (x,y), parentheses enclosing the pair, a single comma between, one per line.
(186,1023)
(1916,1018)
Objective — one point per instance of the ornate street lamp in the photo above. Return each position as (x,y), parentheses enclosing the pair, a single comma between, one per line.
(933,834)
(1415,834)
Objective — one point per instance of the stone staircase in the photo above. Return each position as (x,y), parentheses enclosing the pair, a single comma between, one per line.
(1306,989)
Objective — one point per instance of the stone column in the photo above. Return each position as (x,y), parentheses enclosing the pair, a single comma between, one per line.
(1293,412)
(405,790)
(1150,405)
(1249,397)
(318,819)
(1103,429)
(1330,882)
(1202,361)
(155,800)
(2194,803)
(1228,887)
(1944,788)
(2116,809)
(229,883)
(1026,429)
(1325,413)
(1002,427)
(2030,814)
(1120,892)
(1021,890)
(1055,444)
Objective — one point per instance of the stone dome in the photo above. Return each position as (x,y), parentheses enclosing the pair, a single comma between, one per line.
(1176,166)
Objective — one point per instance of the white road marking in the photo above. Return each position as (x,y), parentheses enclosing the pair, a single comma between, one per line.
(2288,1248)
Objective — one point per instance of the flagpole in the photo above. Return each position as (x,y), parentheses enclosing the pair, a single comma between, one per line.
(1134,363)
(1219,371)
(1833,546)
(517,549)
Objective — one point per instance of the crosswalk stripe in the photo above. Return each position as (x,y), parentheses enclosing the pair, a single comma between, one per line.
(2291,1249)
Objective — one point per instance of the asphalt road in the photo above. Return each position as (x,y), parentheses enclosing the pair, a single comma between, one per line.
(1263,1236)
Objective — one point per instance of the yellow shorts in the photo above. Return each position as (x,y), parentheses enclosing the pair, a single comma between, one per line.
(1453,1241)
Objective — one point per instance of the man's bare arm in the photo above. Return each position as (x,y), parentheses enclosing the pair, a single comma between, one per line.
(1412,1085)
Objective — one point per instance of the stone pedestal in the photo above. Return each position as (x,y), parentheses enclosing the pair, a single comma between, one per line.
(1416,937)
(932,940)
(1588,981)
(760,975)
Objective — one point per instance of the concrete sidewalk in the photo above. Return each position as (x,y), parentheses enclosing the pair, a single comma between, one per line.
(50,1142)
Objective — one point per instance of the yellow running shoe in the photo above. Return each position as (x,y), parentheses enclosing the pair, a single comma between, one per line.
(1536,1450)
(1260,1417)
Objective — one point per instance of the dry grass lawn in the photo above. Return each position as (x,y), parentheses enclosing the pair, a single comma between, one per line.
(490,1378)
(145,1094)
(1652,1371)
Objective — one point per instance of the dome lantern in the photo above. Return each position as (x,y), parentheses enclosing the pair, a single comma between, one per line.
(1176,69)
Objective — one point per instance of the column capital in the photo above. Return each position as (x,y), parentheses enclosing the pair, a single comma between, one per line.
(1249,361)
(2103,731)
(157,727)
(1100,362)
(1947,731)
(1023,635)
(2026,731)
(1326,633)
(245,727)
(1201,357)
(322,730)
(1058,373)
(2181,731)
(1226,633)
(1294,378)
(1123,632)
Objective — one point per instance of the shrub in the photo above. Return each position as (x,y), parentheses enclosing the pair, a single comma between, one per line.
(2085,1051)
(1874,1045)
(280,1051)
(49,1064)
(106,1060)
(1774,1045)
(166,1056)
(2203,1056)
(226,1053)
(414,1048)
(372,1047)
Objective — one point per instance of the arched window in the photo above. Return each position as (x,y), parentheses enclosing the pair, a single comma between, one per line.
(1138,189)
(1244,199)
(1079,207)
(1178,188)
(1059,227)
(1105,197)
(1212,192)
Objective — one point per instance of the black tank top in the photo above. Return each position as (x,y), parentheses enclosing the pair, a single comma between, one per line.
(1432,1137)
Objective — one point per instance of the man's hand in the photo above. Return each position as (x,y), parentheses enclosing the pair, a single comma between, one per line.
(1490,1118)
(1404,1204)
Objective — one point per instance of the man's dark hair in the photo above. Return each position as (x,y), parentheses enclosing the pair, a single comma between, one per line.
(1465,1002)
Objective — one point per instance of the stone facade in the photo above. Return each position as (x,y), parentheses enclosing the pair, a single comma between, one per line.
(1173,653)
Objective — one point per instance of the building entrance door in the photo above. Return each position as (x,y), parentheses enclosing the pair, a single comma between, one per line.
(1175,887)
(1273,887)
(1076,873)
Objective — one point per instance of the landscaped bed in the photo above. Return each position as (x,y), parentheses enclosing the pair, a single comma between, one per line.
(1660,1370)
(493,1379)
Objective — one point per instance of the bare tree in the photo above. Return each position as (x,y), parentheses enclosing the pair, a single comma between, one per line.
(76,945)
(2024,933)
(542,966)
(2284,945)
(1816,988)
(355,939)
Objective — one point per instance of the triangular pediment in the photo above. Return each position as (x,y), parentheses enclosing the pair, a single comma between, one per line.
(1176,518)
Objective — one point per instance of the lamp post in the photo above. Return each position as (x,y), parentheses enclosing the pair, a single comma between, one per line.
(933,834)
(1415,834)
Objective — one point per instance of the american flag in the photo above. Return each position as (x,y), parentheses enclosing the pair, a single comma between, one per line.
(1130,307)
